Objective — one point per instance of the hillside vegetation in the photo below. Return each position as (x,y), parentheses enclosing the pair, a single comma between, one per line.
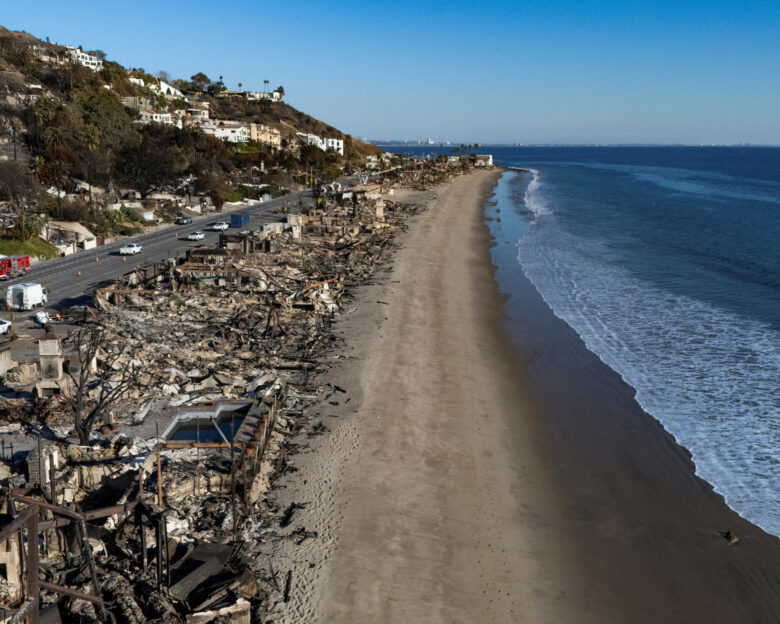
(79,132)
(33,247)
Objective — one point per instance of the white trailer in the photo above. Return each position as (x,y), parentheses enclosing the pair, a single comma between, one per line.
(26,296)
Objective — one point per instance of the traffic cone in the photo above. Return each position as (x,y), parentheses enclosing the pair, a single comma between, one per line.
(124,259)
(97,259)
(79,273)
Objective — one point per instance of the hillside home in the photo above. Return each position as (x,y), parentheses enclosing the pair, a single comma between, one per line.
(337,145)
(265,135)
(48,55)
(230,131)
(138,103)
(310,139)
(87,60)
(68,233)
(85,188)
(160,117)
(192,114)
(274,96)
(165,89)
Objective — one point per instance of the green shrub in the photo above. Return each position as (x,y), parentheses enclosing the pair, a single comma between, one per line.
(129,230)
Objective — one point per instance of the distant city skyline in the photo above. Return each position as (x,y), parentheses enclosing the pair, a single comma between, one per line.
(568,72)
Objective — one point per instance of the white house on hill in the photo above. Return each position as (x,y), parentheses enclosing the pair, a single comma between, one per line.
(165,89)
(87,60)
(161,117)
(337,145)
(264,95)
(230,131)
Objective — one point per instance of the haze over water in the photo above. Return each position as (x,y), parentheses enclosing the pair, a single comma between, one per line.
(665,261)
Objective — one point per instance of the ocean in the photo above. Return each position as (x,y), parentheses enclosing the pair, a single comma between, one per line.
(666,262)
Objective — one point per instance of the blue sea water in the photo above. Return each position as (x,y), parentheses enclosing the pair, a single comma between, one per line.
(666,261)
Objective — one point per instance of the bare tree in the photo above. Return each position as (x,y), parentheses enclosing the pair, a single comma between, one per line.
(17,184)
(116,372)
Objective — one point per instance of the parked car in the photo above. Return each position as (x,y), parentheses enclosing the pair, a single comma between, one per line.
(183,220)
(196,236)
(219,226)
(5,326)
(130,249)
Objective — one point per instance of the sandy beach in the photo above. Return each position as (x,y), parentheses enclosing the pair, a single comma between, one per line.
(428,500)
(451,488)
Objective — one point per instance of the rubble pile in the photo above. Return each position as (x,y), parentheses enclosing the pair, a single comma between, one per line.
(158,518)
(424,175)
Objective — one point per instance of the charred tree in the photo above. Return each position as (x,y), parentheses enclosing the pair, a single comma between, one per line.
(108,370)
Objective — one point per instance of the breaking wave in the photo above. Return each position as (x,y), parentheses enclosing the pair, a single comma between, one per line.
(533,199)
(708,375)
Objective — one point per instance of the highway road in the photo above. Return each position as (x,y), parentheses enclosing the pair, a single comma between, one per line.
(67,288)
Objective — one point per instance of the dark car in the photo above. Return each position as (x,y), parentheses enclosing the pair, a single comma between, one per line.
(183,220)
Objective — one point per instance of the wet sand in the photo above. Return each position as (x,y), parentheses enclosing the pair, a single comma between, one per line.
(646,530)
(469,479)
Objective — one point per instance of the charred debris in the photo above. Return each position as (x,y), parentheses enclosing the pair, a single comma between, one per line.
(190,378)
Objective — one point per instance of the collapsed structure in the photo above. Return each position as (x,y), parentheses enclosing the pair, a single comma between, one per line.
(216,353)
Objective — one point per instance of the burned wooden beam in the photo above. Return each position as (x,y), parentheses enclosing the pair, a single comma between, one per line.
(67,591)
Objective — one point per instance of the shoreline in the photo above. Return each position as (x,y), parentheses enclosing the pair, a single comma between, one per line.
(652,527)
(516,506)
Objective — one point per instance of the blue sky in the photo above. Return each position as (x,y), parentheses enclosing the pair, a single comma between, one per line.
(582,72)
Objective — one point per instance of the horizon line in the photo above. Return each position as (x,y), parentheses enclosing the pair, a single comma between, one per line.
(409,143)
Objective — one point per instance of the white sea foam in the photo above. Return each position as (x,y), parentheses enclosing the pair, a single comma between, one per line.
(710,376)
(534,200)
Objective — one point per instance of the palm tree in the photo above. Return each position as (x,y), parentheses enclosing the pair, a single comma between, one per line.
(89,141)
(239,86)
(265,82)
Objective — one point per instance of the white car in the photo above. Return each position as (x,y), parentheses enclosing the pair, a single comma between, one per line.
(196,236)
(130,249)
(219,226)
(4,326)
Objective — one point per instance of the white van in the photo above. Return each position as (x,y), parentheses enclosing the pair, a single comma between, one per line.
(26,296)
